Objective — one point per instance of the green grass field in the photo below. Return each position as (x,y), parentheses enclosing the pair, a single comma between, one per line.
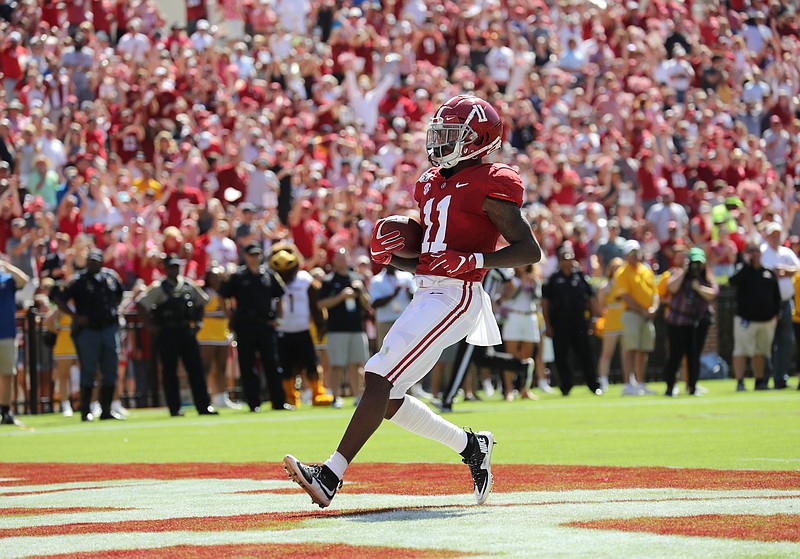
(721,430)
(582,476)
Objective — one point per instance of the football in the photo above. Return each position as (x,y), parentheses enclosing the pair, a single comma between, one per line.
(411,231)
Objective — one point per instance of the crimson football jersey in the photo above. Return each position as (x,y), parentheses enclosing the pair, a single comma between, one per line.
(451,210)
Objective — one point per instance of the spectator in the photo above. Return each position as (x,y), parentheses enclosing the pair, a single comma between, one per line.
(521,331)
(610,322)
(44,182)
(758,303)
(692,290)
(12,279)
(345,297)
(784,263)
(20,251)
(637,289)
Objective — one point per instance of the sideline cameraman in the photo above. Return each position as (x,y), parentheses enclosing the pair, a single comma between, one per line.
(693,290)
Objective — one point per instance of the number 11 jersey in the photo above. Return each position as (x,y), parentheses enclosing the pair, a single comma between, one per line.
(451,210)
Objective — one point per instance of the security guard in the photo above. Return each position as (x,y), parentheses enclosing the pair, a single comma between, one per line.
(175,306)
(257,294)
(568,305)
(95,293)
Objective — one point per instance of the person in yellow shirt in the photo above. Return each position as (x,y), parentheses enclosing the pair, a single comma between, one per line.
(65,357)
(637,289)
(610,319)
(146,182)
(214,339)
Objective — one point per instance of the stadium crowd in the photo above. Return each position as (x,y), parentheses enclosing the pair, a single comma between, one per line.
(672,123)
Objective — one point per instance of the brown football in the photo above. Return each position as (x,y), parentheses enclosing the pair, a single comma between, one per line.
(411,231)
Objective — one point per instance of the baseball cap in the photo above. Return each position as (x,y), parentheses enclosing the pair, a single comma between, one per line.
(774,227)
(95,254)
(631,246)
(253,248)
(173,260)
(247,207)
(697,254)
(566,253)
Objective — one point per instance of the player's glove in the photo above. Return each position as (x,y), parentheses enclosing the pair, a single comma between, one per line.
(454,263)
(381,247)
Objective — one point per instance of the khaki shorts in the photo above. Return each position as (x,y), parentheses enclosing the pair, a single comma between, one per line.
(638,334)
(347,348)
(753,338)
(8,356)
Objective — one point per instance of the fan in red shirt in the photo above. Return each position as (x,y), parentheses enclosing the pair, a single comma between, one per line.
(231,175)
(94,139)
(177,201)
(12,57)
(566,180)
(127,135)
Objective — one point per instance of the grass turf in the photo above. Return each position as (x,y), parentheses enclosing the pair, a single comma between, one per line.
(721,430)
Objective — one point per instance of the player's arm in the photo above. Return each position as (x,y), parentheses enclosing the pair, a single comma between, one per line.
(523,248)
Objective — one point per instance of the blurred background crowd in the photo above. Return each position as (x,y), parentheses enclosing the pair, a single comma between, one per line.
(675,123)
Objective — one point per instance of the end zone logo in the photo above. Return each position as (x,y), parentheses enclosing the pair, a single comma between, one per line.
(394,510)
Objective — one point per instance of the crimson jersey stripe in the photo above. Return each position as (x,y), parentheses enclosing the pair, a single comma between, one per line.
(435,332)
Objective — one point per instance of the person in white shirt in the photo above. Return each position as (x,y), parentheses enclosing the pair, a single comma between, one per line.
(785,263)
(221,248)
(293,15)
(134,43)
(499,61)
(263,185)
(52,148)
(666,210)
(391,290)
(202,39)
(364,99)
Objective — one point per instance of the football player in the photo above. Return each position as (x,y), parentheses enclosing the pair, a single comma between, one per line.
(465,206)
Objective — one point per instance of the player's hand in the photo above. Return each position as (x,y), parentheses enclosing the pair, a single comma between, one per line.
(453,263)
(381,248)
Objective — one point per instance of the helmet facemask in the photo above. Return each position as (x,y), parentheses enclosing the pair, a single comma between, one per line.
(445,142)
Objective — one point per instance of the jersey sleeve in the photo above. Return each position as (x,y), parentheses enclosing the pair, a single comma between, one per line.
(505,184)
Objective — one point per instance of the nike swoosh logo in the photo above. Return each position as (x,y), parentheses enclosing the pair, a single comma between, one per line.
(461,184)
(379,235)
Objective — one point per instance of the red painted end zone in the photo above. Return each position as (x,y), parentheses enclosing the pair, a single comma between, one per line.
(420,479)
(263,551)
(763,528)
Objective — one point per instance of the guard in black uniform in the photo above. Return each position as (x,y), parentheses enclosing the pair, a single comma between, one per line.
(175,309)
(95,293)
(257,294)
(568,305)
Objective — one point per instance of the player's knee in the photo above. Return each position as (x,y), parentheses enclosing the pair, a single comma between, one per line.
(392,408)
(376,383)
